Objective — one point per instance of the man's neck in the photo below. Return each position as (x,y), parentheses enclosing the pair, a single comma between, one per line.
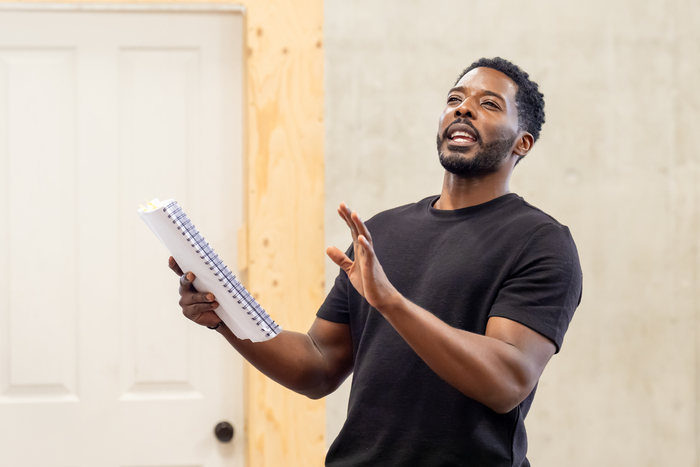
(458,192)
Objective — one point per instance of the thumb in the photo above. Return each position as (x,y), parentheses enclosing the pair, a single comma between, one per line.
(174,266)
(339,258)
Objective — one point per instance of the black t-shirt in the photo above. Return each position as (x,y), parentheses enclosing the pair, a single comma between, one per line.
(502,258)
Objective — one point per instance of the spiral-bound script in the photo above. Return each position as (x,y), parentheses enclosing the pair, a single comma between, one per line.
(237,307)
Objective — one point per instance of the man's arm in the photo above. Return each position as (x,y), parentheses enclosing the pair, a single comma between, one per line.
(312,364)
(498,369)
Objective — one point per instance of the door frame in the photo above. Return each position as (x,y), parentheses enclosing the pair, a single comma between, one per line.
(282,267)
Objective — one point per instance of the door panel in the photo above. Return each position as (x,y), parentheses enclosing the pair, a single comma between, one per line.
(40,362)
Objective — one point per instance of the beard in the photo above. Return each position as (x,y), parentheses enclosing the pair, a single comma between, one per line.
(486,161)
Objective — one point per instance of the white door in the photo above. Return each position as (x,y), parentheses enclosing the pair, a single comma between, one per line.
(99,110)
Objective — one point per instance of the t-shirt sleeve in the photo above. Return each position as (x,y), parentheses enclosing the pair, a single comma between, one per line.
(335,308)
(545,284)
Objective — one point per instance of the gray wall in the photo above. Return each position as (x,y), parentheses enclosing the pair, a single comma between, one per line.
(617,162)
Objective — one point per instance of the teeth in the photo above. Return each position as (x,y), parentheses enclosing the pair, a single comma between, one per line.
(462,134)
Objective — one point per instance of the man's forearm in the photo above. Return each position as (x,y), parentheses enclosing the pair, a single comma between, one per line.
(291,359)
(481,367)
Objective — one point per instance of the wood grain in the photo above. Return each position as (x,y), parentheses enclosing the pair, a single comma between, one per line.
(285,212)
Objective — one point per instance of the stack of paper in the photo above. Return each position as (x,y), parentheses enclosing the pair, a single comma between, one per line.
(237,308)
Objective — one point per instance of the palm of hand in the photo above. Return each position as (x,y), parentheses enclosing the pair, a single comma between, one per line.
(365,273)
(355,274)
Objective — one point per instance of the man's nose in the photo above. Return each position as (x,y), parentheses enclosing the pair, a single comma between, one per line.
(464,109)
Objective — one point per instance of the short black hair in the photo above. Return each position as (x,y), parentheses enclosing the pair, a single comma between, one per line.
(528,98)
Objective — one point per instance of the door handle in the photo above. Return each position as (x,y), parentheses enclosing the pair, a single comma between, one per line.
(224,432)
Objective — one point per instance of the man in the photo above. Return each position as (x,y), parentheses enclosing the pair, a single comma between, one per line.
(446,310)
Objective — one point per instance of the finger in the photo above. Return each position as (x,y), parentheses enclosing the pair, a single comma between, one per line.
(189,298)
(356,224)
(174,266)
(345,208)
(361,227)
(366,245)
(186,283)
(339,258)
(353,230)
(368,256)
(193,311)
(345,213)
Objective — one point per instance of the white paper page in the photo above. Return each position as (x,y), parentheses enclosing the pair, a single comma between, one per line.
(237,308)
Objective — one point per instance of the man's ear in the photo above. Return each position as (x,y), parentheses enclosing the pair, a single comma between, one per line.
(523,144)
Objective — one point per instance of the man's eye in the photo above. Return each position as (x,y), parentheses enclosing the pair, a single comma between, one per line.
(453,99)
(491,104)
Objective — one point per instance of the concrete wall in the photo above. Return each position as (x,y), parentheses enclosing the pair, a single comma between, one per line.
(617,162)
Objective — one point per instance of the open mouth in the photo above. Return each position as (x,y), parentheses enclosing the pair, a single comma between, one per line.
(461,134)
(462,137)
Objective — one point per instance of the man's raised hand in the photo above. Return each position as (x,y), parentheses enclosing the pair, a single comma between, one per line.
(196,306)
(365,273)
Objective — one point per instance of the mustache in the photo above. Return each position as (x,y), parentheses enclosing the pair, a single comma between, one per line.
(463,121)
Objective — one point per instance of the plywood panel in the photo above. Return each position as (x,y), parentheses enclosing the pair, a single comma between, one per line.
(285,211)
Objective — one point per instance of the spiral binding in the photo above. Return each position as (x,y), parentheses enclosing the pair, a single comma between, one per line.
(227,279)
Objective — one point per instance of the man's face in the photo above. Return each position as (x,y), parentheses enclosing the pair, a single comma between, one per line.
(479,125)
